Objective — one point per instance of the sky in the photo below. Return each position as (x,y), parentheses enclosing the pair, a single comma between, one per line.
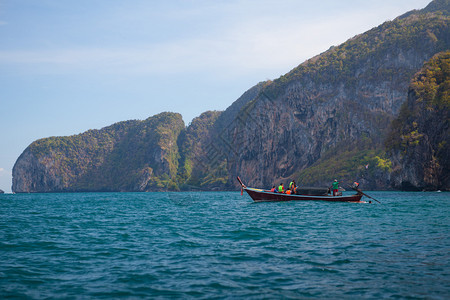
(70,66)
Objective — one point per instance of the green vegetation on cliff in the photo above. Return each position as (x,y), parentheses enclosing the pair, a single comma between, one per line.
(430,90)
(421,133)
(362,161)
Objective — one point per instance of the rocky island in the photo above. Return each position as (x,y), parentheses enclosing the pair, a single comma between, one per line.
(373,109)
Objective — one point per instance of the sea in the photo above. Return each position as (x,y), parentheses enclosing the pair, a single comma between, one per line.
(221,245)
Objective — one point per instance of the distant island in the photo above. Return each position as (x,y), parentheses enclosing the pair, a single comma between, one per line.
(374,109)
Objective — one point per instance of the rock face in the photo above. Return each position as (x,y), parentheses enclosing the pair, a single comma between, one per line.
(332,108)
(209,148)
(127,156)
(193,141)
(420,137)
(327,118)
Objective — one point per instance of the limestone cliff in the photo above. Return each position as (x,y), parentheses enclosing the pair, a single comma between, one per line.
(333,110)
(127,156)
(420,137)
(193,172)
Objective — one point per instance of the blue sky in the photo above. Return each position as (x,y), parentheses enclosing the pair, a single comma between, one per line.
(69,66)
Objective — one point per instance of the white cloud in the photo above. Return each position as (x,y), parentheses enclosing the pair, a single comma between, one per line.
(242,47)
(263,41)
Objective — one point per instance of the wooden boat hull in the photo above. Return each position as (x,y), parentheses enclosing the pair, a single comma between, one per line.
(264,196)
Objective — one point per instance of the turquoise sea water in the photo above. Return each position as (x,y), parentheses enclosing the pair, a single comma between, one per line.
(222,245)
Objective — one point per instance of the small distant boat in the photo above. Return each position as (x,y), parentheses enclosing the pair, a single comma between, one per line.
(259,195)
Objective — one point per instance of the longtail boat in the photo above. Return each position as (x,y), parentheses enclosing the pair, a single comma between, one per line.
(260,195)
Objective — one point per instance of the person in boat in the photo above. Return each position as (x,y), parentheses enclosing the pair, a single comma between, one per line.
(281,188)
(335,187)
(273,190)
(293,187)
